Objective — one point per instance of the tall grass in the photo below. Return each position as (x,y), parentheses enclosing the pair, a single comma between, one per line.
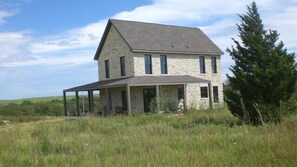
(197,138)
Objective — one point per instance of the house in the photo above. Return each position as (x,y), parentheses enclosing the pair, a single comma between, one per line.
(139,62)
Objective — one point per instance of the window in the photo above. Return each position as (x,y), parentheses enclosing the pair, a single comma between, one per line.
(163,63)
(202,64)
(123,68)
(124,100)
(214,64)
(203,91)
(107,68)
(180,93)
(215,94)
(148,64)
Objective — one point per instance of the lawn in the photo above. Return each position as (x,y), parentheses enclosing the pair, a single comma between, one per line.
(196,138)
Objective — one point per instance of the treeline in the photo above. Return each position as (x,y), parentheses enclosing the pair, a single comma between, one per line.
(29,108)
(47,108)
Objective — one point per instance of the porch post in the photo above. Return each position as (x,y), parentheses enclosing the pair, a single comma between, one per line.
(107,100)
(210,94)
(90,99)
(185,96)
(157,98)
(129,99)
(77,103)
(65,103)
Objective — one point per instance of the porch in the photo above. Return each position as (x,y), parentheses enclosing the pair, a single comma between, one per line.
(134,94)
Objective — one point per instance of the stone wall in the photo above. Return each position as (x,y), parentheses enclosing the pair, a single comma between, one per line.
(184,65)
(114,48)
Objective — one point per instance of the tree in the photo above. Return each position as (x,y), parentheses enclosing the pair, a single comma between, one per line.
(264,73)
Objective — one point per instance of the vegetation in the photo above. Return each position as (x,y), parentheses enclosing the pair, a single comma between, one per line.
(34,99)
(37,108)
(50,108)
(264,74)
(196,138)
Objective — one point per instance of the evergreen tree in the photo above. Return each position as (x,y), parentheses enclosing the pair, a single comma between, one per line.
(264,73)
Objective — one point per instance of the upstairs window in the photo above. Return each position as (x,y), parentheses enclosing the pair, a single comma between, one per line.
(107,69)
(203,92)
(148,64)
(163,63)
(202,64)
(215,94)
(123,67)
(214,64)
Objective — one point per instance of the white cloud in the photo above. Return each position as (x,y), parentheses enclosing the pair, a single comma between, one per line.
(12,45)
(50,61)
(60,58)
(171,11)
(72,39)
(4,14)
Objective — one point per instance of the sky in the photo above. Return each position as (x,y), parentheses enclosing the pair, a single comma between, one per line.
(48,45)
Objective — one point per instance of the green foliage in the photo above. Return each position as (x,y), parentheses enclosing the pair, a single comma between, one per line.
(28,108)
(264,73)
(194,138)
(172,106)
(153,106)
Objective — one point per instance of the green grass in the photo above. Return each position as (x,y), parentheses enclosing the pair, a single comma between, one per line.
(197,138)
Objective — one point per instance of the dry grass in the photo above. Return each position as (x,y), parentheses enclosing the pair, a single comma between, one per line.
(197,138)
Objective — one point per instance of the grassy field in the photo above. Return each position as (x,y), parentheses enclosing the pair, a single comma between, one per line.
(34,99)
(197,138)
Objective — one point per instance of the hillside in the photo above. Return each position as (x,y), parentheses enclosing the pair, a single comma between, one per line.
(197,138)
(34,99)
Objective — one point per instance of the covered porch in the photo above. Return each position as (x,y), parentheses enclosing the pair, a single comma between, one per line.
(133,94)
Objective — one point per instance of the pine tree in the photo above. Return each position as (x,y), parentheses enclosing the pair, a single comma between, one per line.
(263,75)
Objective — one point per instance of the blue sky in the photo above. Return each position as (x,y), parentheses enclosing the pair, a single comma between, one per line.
(49,45)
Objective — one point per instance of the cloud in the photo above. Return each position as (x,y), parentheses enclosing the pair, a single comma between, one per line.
(72,39)
(67,59)
(172,11)
(6,13)
(13,45)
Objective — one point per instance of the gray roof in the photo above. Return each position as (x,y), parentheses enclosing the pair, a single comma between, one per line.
(139,81)
(150,37)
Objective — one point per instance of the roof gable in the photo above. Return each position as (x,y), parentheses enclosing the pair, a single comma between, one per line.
(150,37)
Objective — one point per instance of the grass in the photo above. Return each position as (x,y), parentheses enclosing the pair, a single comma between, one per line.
(197,138)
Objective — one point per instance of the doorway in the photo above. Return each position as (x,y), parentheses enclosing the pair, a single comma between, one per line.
(148,95)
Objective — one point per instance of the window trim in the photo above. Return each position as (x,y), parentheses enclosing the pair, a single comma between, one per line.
(123,66)
(202,64)
(107,70)
(148,69)
(203,95)
(214,67)
(163,65)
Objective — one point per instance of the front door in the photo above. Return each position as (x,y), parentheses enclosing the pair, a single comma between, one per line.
(148,95)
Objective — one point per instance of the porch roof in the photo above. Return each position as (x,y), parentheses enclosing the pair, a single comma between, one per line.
(139,81)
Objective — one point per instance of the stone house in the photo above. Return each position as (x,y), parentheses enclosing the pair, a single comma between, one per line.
(140,62)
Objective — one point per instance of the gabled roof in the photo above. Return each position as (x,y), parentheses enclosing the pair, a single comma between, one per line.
(139,81)
(150,37)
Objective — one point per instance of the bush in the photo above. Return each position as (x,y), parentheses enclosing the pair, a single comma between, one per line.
(172,106)
(28,108)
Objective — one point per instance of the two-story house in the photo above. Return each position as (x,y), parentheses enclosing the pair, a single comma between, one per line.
(138,62)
